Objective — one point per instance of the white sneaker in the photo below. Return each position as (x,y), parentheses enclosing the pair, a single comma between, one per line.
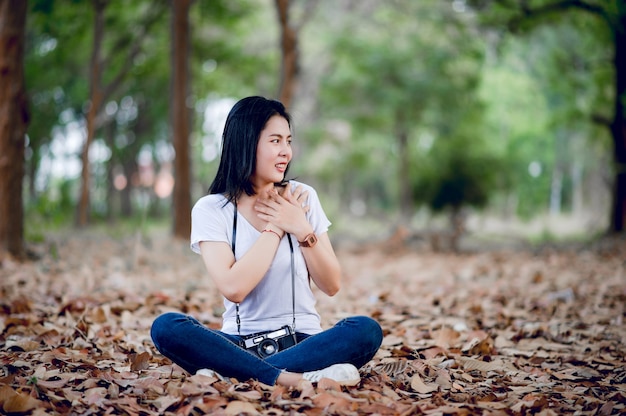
(210,373)
(344,374)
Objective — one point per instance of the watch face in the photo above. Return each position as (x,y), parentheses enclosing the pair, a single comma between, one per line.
(309,241)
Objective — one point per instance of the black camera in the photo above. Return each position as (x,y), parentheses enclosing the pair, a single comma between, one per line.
(267,343)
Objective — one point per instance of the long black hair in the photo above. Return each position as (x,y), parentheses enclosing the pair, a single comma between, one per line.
(243,128)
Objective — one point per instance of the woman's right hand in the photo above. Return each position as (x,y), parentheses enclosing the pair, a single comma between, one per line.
(286,211)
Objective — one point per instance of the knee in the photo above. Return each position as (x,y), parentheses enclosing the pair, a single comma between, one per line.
(375,331)
(163,328)
(370,330)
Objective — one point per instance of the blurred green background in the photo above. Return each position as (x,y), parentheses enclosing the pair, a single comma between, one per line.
(473,117)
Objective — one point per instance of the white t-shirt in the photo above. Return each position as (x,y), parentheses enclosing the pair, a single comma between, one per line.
(269,305)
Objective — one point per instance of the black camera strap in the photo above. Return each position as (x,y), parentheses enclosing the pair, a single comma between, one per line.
(293,284)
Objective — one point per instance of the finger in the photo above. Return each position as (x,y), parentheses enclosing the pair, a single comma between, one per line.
(291,195)
(266,205)
(303,195)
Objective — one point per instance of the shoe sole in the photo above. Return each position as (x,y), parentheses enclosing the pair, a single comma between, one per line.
(349,383)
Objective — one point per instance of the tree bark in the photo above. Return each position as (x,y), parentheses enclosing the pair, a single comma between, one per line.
(95,83)
(406,191)
(289,46)
(14,119)
(618,127)
(181,117)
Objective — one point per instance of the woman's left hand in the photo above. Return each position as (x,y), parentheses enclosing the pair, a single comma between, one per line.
(286,210)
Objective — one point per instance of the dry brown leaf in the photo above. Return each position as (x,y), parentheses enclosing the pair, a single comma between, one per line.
(278,392)
(238,407)
(19,403)
(479,343)
(445,337)
(443,379)
(418,385)
(470,364)
(95,395)
(433,352)
(325,399)
(328,384)
(140,361)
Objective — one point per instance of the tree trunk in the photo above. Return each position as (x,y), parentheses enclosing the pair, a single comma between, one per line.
(13,121)
(556,190)
(95,83)
(129,168)
(109,138)
(406,191)
(289,48)
(618,129)
(578,201)
(181,117)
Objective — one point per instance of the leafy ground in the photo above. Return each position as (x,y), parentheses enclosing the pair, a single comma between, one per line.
(497,332)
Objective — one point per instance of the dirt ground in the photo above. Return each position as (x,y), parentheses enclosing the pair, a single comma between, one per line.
(498,331)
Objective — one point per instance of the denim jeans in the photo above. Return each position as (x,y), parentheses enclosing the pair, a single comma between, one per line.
(193,346)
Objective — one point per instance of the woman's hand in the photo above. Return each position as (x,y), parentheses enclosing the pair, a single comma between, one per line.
(299,196)
(286,211)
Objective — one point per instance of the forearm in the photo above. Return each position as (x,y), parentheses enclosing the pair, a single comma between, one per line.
(237,280)
(323,266)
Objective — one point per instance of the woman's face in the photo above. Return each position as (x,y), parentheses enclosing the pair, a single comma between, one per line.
(273,152)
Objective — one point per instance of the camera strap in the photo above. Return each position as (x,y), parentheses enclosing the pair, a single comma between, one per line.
(293,284)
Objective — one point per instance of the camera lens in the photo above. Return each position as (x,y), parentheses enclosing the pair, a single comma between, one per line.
(267,347)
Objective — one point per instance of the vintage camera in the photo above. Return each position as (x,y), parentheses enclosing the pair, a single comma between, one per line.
(264,344)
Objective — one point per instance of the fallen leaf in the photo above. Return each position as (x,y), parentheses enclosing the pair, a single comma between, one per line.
(238,407)
(418,385)
(140,362)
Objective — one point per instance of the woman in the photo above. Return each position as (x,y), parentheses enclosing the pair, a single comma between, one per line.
(263,239)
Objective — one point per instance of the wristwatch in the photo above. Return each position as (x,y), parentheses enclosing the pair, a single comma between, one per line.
(309,241)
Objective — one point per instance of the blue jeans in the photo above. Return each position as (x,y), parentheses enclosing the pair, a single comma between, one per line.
(193,346)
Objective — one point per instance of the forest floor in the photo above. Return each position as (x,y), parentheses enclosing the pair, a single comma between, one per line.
(501,331)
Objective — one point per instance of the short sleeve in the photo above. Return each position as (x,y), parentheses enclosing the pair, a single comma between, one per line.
(210,221)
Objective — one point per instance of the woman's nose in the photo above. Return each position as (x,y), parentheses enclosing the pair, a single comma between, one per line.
(285,149)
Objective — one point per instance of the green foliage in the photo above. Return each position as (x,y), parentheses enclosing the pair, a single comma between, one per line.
(51,210)
(478,108)
(455,174)
(402,71)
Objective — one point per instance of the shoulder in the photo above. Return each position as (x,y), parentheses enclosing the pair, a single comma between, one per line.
(296,184)
(212,202)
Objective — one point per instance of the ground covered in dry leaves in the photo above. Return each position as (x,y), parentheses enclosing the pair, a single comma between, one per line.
(498,332)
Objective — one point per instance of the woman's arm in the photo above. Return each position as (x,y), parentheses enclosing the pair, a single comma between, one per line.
(236,279)
(323,265)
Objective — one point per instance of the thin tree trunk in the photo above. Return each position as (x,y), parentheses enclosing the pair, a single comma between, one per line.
(129,168)
(406,192)
(14,119)
(556,190)
(181,117)
(618,129)
(95,83)
(576,174)
(109,138)
(289,47)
